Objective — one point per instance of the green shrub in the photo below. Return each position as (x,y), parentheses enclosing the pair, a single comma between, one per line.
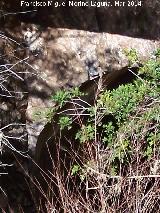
(86,133)
(65,121)
(132,114)
(132,56)
(136,111)
(61,96)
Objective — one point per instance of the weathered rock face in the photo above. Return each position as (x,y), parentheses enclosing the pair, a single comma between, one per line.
(70,57)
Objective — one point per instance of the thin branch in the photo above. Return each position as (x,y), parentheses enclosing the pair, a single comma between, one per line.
(137,76)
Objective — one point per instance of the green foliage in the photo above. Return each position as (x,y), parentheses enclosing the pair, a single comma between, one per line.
(123,100)
(151,70)
(65,121)
(109,130)
(92,112)
(49,114)
(121,150)
(139,98)
(113,170)
(62,96)
(132,56)
(86,133)
(157,52)
(145,127)
(78,170)
(152,139)
(132,114)
(123,103)
(45,114)
(75,92)
(75,169)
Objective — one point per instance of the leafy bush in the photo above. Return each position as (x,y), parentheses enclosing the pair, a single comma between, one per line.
(62,96)
(86,133)
(65,121)
(135,109)
(117,163)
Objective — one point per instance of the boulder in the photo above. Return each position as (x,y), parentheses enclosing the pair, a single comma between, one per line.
(70,57)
